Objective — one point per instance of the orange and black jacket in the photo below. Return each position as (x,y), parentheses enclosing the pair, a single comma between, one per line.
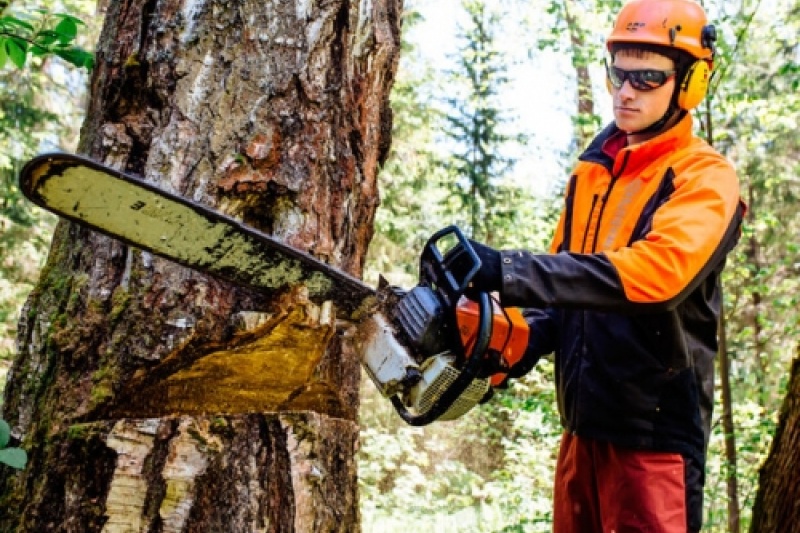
(628,298)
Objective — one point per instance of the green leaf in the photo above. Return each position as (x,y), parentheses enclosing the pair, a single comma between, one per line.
(5,433)
(14,457)
(14,21)
(67,30)
(39,51)
(46,37)
(73,18)
(17,51)
(77,56)
(3,54)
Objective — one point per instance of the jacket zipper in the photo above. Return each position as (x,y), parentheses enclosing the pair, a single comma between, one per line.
(603,203)
(588,222)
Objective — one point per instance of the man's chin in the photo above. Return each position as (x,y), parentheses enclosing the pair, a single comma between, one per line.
(627,125)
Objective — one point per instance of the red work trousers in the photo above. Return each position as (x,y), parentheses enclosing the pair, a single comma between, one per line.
(602,488)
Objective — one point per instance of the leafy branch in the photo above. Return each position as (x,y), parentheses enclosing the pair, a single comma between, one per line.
(49,34)
(13,457)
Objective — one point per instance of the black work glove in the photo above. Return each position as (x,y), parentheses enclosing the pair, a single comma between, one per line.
(489,276)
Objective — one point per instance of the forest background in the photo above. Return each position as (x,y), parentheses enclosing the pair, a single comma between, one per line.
(485,131)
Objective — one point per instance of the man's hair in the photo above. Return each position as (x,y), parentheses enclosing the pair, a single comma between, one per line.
(678,56)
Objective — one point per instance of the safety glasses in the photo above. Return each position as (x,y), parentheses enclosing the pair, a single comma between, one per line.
(641,80)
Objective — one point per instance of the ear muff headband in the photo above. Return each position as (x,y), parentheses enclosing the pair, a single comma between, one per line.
(694,86)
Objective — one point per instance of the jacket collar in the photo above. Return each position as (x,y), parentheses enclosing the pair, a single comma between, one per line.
(634,158)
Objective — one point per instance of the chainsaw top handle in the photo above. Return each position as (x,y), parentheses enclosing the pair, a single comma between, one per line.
(436,262)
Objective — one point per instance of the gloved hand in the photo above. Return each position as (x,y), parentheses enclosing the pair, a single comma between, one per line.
(489,276)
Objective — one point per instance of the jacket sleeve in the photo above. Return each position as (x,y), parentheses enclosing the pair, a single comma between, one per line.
(687,236)
(542,338)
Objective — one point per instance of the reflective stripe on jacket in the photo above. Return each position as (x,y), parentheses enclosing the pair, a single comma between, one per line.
(629,299)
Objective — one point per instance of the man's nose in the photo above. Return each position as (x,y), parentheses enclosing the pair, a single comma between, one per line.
(627,91)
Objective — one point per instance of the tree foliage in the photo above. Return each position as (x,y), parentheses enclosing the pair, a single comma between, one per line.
(12,456)
(467,468)
(411,191)
(754,116)
(40,34)
(476,128)
(40,106)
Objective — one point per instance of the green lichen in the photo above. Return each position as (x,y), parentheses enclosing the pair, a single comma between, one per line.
(196,435)
(102,386)
(120,301)
(83,432)
(221,426)
(132,61)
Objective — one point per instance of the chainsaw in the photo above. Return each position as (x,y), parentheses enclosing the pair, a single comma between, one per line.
(432,351)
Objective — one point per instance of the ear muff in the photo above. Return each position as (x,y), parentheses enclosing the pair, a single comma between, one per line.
(694,86)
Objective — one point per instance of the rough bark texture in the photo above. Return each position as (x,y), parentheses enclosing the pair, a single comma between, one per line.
(777,505)
(273,112)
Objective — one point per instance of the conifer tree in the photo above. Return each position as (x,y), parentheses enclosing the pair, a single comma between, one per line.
(475,121)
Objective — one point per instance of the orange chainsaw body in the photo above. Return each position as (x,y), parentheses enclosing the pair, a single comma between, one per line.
(509,333)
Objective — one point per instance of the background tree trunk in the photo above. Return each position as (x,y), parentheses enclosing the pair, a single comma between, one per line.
(276,113)
(777,505)
(728,428)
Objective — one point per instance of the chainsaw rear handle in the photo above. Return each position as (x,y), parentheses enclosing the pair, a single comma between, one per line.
(465,378)
(435,266)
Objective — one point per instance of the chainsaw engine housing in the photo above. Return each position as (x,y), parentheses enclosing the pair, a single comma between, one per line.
(421,323)
(433,352)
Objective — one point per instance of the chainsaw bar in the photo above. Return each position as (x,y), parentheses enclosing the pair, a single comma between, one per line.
(140,214)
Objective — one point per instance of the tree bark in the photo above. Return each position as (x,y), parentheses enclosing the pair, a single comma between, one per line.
(777,505)
(277,114)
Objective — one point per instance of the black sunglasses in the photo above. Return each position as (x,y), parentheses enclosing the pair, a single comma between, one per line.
(641,80)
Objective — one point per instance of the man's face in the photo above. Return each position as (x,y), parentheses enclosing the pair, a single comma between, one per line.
(635,109)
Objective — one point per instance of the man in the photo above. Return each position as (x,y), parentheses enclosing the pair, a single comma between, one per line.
(628,299)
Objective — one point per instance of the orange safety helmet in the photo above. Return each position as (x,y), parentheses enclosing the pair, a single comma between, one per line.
(680,24)
(671,25)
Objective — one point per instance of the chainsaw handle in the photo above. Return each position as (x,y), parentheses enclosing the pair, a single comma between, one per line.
(468,374)
(435,266)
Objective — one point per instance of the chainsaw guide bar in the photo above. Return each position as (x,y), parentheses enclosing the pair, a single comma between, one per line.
(140,214)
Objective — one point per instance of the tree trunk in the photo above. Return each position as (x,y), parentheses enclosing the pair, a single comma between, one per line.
(584,122)
(277,114)
(777,505)
(728,428)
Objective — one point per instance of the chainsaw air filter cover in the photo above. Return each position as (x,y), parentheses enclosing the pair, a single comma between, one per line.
(438,375)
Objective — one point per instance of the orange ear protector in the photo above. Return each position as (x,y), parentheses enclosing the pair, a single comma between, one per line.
(695,83)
